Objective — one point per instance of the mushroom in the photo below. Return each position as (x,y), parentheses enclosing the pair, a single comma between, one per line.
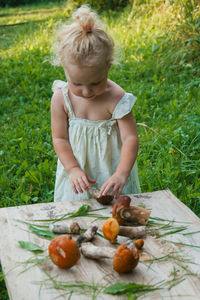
(125,258)
(111,229)
(87,235)
(72,228)
(132,232)
(123,212)
(139,243)
(107,199)
(63,251)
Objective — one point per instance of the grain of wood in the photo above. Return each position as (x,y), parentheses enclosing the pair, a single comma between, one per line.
(22,285)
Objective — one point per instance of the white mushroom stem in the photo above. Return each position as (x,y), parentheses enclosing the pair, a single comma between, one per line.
(72,228)
(136,214)
(91,251)
(132,232)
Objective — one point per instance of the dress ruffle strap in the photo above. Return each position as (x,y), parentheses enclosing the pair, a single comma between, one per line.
(124,106)
(59,84)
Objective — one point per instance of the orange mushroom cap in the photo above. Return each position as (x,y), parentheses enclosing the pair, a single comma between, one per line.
(110,229)
(139,243)
(125,259)
(63,251)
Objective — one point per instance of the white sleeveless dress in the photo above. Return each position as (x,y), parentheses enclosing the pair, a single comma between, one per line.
(96,146)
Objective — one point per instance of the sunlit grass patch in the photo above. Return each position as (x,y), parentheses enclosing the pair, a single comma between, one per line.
(150,65)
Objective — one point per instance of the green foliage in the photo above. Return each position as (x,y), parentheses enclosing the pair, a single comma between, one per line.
(159,65)
(42,232)
(30,246)
(131,290)
(105,4)
(9,3)
(3,291)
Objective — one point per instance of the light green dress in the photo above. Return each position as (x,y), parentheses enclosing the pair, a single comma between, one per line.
(96,146)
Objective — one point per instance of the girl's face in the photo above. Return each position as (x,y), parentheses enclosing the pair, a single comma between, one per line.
(86,82)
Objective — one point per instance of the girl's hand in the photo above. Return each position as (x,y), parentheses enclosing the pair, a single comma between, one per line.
(115,183)
(79,180)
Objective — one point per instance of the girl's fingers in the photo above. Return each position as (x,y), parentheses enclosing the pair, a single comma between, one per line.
(85,183)
(106,189)
(74,188)
(79,186)
(114,190)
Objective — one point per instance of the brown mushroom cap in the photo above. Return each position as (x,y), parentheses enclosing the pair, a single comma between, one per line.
(63,251)
(105,199)
(125,259)
(122,202)
(111,229)
(101,199)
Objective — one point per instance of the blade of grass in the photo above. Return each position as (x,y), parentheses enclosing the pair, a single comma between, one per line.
(182,244)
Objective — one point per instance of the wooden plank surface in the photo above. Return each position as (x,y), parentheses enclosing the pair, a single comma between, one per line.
(23,280)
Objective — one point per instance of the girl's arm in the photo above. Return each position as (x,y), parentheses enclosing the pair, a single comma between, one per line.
(129,137)
(59,125)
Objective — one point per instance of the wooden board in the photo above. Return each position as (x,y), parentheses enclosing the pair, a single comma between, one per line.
(23,280)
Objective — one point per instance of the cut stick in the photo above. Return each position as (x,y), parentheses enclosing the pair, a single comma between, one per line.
(132,232)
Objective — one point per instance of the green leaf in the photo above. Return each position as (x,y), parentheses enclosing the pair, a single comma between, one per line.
(41,232)
(30,246)
(82,211)
(125,288)
(118,288)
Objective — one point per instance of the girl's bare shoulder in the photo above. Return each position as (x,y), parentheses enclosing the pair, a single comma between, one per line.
(57,101)
(116,92)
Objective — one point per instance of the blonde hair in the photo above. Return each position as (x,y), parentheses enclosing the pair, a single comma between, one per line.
(84,41)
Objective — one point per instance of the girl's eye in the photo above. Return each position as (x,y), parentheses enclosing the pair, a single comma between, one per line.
(76,84)
(96,83)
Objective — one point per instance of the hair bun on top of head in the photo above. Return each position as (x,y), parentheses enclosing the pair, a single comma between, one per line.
(85,18)
(84,40)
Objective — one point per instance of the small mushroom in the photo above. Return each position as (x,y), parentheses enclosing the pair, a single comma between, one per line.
(101,199)
(123,212)
(139,243)
(63,251)
(111,229)
(125,258)
(87,236)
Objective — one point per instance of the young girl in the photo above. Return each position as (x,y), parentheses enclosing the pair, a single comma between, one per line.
(93,129)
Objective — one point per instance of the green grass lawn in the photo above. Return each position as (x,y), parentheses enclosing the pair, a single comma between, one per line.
(158,61)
